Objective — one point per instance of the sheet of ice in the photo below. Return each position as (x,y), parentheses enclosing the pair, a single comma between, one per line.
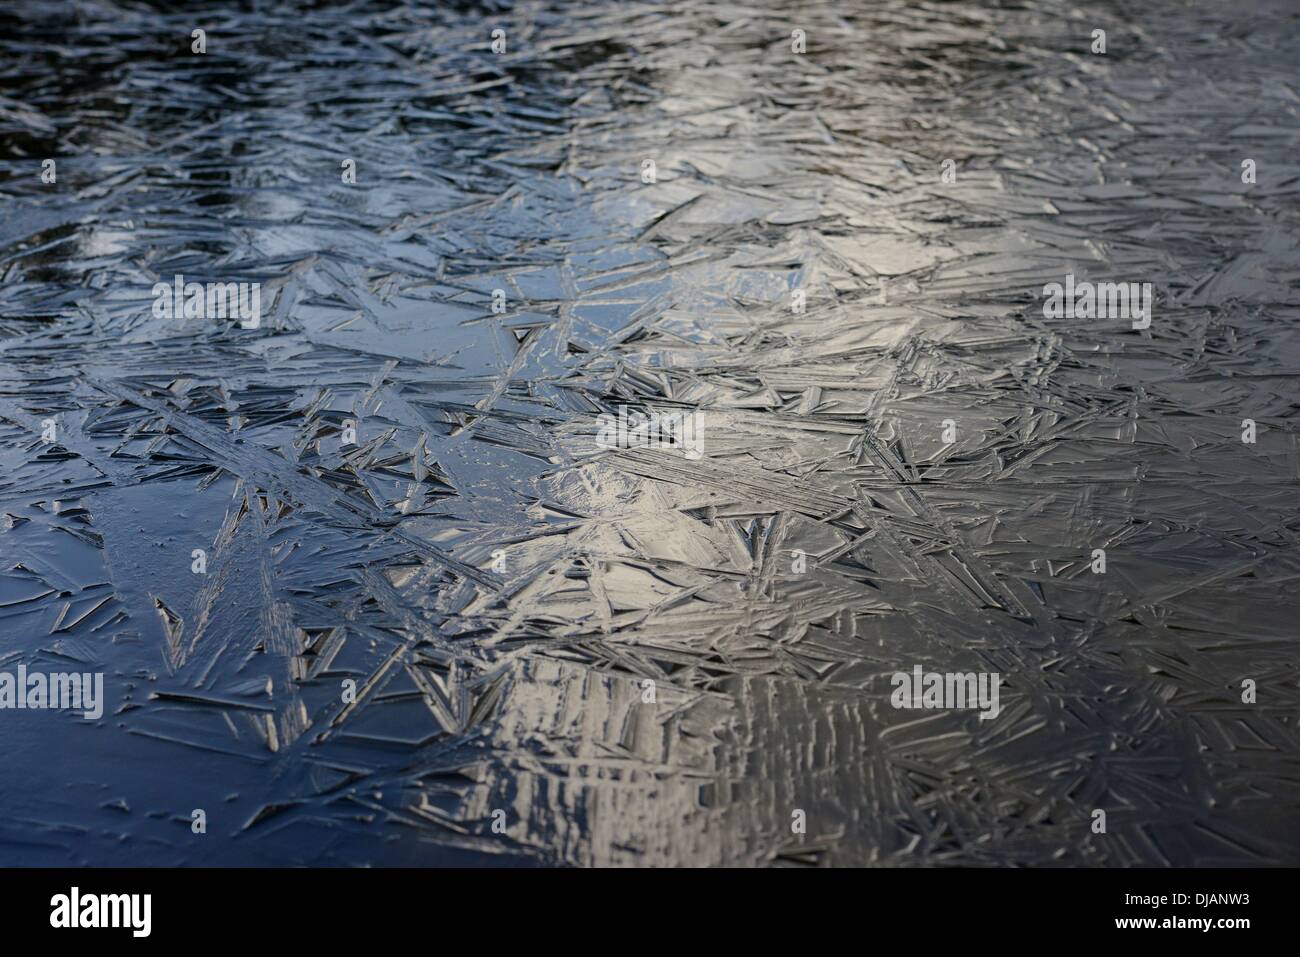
(498,588)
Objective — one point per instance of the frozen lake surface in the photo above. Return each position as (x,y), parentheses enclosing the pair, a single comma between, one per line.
(367,587)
